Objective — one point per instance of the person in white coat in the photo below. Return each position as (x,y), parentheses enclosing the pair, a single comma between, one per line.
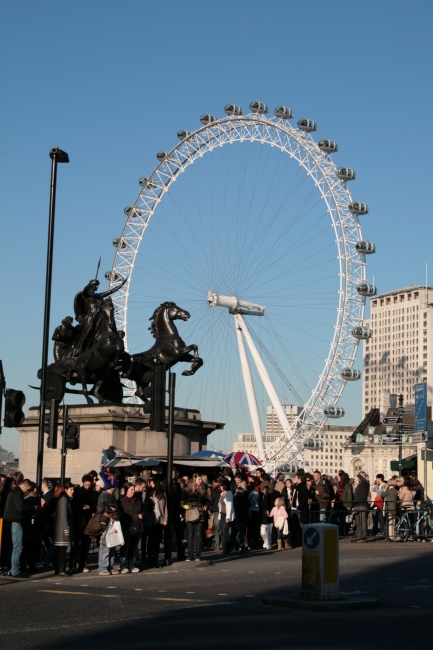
(226,516)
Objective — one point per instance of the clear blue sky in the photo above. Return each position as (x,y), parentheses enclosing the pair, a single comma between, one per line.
(112,83)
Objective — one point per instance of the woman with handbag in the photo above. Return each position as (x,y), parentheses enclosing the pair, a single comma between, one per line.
(132,528)
(194,501)
(158,519)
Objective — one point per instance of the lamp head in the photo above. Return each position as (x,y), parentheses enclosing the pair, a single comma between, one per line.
(60,155)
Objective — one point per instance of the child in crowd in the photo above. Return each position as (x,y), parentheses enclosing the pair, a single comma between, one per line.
(279,513)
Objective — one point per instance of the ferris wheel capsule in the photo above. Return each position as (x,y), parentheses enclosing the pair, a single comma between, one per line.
(283,112)
(147,182)
(350,374)
(288,469)
(328,146)
(361,332)
(183,134)
(366,289)
(132,212)
(345,174)
(313,443)
(334,412)
(307,125)
(206,118)
(258,107)
(358,208)
(162,155)
(120,242)
(365,247)
(232,109)
(112,276)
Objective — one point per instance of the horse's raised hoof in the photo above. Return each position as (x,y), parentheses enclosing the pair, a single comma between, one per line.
(187,373)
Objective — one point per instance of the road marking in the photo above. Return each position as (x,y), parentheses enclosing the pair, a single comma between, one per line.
(74,593)
(190,592)
(222,594)
(277,573)
(88,593)
(249,596)
(138,590)
(224,602)
(224,569)
(181,600)
(111,587)
(162,591)
(251,571)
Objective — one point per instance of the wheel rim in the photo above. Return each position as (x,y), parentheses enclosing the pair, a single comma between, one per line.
(336,196)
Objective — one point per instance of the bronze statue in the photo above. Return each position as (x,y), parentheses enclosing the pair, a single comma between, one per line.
(88,307)
(64,337)
(168,349)
(93,352)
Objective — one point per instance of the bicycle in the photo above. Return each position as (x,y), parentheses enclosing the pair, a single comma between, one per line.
(415,524)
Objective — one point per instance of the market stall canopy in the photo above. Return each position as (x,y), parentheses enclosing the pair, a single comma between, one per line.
(202,462)
(191,461)
(120,462)
(149,462)
(185,461)
(208,453)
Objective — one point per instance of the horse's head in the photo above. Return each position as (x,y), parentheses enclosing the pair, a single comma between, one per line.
(163,317)
(176,313)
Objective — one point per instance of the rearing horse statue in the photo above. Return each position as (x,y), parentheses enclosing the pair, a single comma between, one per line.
(168,349)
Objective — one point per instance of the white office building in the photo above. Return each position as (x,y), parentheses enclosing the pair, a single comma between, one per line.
(399,353)
(247,441)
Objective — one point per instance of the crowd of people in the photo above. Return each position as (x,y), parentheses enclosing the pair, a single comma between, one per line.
(237,511)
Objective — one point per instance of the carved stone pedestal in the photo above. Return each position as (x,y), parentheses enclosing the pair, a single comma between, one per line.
(102,426)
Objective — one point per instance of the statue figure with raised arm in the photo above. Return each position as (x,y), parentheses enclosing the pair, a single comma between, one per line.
(88,312)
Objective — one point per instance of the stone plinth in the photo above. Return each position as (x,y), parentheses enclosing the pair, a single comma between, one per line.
(102,426)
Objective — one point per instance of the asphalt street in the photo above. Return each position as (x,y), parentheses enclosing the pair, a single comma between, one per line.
(194,605)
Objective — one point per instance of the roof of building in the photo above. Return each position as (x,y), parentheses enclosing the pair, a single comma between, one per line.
(409,288)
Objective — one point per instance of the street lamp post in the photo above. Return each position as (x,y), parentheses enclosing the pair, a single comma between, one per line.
(57,156)
(170,449)
(400,438)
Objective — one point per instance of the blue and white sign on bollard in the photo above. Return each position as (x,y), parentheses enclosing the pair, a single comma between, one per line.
(320,561)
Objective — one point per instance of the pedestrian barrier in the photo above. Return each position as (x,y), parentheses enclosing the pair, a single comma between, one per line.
(409,523)
(393,523)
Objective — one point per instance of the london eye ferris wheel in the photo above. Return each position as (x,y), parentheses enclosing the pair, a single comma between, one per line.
(248,224)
